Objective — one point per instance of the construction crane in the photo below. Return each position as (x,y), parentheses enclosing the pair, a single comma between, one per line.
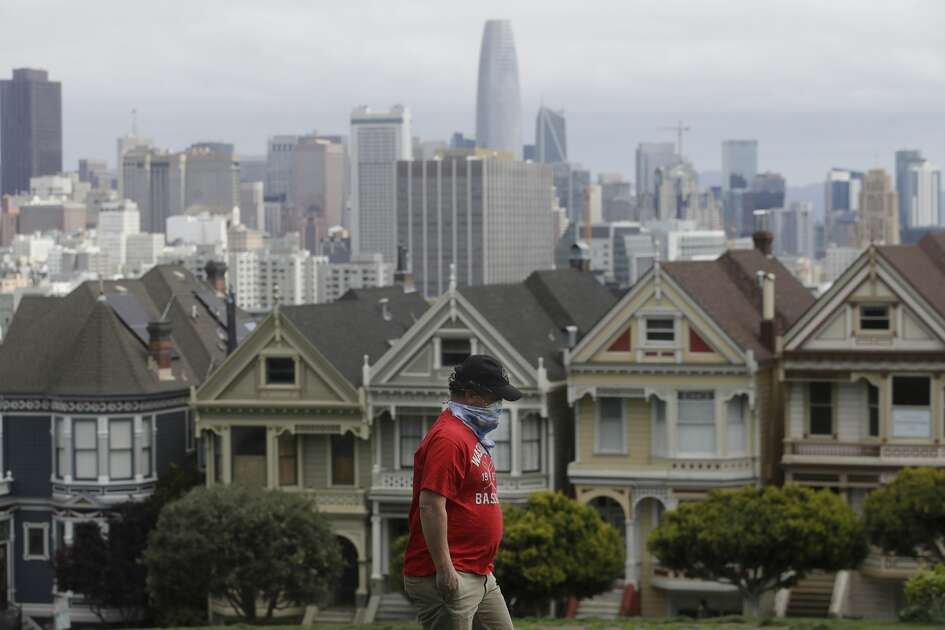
(680,129)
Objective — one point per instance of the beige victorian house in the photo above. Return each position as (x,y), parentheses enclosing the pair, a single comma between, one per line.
(674,395)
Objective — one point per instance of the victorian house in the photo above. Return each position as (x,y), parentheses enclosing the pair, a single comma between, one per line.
(675,394)
(94,407)
(528,326)
(864,381)
(288,410)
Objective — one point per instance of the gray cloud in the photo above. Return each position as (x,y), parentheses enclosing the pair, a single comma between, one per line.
(819,84)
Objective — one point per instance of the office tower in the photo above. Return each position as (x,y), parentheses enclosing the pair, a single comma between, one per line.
(460,141)
(213,177)
(156,182)
(924,187)
(316,189)
(279,157)
(30,128)
(8,220)
(378,140)
(577,204)
(551,142)
(904,159)
(841,202)
(739,163)
(116,221)
(498,104)
(616,198)
(765,191)
(253,168)
(878,216)
(94,173)
(677,189)
(124,144)
(650,157)
(252,205)
(491,218)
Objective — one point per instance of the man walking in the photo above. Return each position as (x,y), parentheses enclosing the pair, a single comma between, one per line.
(455,517)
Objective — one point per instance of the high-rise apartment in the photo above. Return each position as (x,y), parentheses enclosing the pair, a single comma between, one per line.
(378,140)
(30,128)
(924,189)
(279,157)
(878,216)
(904,159)
(551,142)
(213,177)
(491,218)
(739,163)
(498,102)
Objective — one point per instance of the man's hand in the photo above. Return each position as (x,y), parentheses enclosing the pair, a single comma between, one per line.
(433,522)
(447,581)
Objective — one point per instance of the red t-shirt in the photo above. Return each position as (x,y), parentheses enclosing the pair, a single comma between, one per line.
(451,462)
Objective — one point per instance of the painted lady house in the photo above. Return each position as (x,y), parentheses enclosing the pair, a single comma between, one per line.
(675,394)
(94,407)
(864,382)
(528,326)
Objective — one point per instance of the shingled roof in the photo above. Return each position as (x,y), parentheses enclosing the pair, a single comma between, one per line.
(84,346)
(533,314)
(727,290)
(923,266)
(354,325)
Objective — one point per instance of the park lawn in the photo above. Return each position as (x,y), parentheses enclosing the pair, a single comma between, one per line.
(730,623)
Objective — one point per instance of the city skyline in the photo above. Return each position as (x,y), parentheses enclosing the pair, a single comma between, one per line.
(222,76)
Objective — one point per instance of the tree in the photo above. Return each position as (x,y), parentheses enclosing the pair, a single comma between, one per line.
(102,564)
(554,547)
(242,545)
(925,593)
(760,539)
(907,516)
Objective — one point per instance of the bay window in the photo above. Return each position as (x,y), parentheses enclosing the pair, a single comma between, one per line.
(736,431)
(697,422)
(820,408)
(85,441)
(121,448)
(912,415)
(531,443)
(610,437)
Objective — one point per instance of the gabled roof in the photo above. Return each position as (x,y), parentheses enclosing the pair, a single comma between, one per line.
(727,290)
(923,266)
(346,330)
(81,346)
(532,315)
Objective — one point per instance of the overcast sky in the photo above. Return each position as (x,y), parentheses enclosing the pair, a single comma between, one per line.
(819,84)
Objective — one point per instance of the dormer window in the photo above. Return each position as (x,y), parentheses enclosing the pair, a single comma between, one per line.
(454,351)
(660,330)
(874,317)
(280,371)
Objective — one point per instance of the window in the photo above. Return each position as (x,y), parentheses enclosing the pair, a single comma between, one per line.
(874,317)
(658,407)
(737,435)
(411,432)
(280,371)
(36,545)
(84,435)
(248,461)
(531,443)
(872,399)
(120,448)
(821,408)
(454,351)
(697,422)
(342,460)
(912,417)
(61,453)
(661,331)
(288,460)
(610,425)
(147,429)
(502,453)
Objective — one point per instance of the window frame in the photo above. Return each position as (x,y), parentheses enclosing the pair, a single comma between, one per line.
(331,460)
(281,456)
(929,406)
(703,394)
(665,343)
(148,424)
(863,317)
(112,450)
(44,528)
(505,422)
(407,464)
(872,411)
(742,401)
(443,353)
(831,406)
(76,422)
(599,448)
(537,419)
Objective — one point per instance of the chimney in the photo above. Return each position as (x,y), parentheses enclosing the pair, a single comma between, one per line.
(159,347)
(216,276)
(383,305)
(580,259)
(231,323)
(770,324)
(763,240)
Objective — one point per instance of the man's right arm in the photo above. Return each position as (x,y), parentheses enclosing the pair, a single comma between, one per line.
(433,522)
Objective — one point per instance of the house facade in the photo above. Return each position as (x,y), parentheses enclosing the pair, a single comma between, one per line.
(675,394)
(94,407)
(863,373)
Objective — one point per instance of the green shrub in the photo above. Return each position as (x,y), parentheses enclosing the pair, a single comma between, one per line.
(925,594)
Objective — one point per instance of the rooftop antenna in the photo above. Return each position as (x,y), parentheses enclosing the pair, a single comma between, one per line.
(680,129)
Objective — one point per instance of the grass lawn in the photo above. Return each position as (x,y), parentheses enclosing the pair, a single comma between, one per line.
(725,623)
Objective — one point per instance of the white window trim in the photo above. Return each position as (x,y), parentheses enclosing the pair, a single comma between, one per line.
(135,423)
(598,450)
(680,453)
(26,541)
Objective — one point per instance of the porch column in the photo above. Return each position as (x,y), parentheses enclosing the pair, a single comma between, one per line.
(226,459)
(375,542)
(632,561)
(272,458)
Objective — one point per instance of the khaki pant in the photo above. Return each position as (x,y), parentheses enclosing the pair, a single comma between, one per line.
(477,603)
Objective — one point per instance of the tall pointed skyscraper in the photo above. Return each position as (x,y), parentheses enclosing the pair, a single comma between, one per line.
(498,103)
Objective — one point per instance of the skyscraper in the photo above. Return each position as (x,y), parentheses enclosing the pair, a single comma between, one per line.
(924,188)
(156,182)
(30,128)
(551,142)
(650,157)
(213,177)
(378,140)
(841,202)
(904,159)
(739,161)
(279,158)
(126,143)
(878,216)
(498,103)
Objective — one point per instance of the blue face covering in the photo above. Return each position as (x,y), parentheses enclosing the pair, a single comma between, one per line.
(480,420)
